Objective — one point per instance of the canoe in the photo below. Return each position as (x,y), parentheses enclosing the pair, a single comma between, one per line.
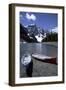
(45,58)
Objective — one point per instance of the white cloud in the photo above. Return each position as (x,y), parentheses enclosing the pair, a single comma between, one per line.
(30,16)
(55,29)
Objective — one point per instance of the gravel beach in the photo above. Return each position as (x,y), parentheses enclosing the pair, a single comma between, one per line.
(40,69)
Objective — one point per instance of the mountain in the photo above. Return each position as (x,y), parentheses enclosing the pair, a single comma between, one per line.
(33,33)
(32,29)
(37,32)
(24,36)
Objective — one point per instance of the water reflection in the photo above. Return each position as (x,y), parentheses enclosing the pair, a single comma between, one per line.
(39,48)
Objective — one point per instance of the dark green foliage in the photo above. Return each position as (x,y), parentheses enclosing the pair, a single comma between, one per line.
(51,37)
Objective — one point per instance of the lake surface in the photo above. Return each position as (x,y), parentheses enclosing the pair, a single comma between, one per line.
(39,48)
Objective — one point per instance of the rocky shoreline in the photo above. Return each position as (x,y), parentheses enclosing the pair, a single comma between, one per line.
(41,69)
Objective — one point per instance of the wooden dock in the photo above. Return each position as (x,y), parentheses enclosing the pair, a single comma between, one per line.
(44,58)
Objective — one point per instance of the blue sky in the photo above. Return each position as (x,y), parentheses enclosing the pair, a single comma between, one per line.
(46,21)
